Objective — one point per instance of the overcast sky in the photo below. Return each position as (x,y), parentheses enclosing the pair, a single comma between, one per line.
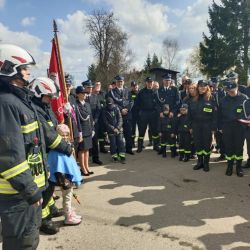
(28,23)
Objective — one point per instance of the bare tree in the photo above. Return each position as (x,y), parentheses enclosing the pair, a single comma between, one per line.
(109,43)
(170,48)
(194,62)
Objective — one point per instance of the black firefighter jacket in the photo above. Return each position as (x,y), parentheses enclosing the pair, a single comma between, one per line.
(20,134)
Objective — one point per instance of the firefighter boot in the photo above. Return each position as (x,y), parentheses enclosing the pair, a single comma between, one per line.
(239,171)
(181,156)
(139,146)
(206,163)
(164,153)
(199,164)
(186,157)
(230,164)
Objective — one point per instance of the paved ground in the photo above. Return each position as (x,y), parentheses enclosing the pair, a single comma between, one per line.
(156,203)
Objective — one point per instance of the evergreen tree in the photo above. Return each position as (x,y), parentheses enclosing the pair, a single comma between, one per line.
(92,73)
(155,62)
(147,65)
(228,43)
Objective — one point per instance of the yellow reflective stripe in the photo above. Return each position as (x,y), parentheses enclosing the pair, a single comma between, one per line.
(50,123)
(122,154)
(45,212)
(39,180)
(185,126)
(114,156)
(56,142)
(29,127)
(239,110)
(155,137)
(51,202)
(230,157)
(169,126)
(238,157)
(141,137)
(6,188)
(15,170)
(209,110)
(187,152)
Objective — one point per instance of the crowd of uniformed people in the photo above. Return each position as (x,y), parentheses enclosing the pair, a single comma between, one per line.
(188,121)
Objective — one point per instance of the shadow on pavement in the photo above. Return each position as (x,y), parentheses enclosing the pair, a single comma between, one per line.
(211,207)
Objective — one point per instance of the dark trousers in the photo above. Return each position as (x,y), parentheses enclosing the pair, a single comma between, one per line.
(233,137)
(20,225)
(116,145)
(202,133)
(185,145)
(134,122)
(219,142)
(247,136)
(127,131)
(95,148)
(167,140)
(148,118)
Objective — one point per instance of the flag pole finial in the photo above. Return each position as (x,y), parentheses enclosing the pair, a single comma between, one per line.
(55,26)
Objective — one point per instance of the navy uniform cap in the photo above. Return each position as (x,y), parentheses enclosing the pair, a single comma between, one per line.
(230,85)
(184,106)
(119,78)
(202,83)
(148,79)
(167,77)
(80,89)
(232,75)
(87,83)
(133,84)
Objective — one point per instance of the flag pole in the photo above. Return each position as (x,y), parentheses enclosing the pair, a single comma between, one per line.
(61,72)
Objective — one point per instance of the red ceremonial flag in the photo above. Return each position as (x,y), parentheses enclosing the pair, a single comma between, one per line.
(54,73)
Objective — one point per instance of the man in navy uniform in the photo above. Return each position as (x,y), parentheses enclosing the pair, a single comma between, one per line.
(148,104)
(122,98)
(134,110)
(169,94)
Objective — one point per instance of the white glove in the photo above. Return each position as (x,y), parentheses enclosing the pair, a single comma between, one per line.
(67,108)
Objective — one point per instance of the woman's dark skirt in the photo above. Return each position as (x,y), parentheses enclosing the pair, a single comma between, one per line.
(85,144)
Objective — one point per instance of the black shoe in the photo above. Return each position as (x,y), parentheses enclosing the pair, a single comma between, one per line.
(115,159)
(186,157)
(48,227)
(122,160)
(56,212)
(83,174)
(197,167)
(206,168)
(181,157)
(103,150)
(130,152)
(229,170)
(97,161)
(90,172)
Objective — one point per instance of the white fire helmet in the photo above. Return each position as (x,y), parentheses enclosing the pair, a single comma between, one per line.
(11,58)
(44,86)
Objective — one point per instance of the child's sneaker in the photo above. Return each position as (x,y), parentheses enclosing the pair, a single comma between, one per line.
(72,220)
(73,211)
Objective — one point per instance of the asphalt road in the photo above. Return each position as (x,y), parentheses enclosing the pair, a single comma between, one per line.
(157,203)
